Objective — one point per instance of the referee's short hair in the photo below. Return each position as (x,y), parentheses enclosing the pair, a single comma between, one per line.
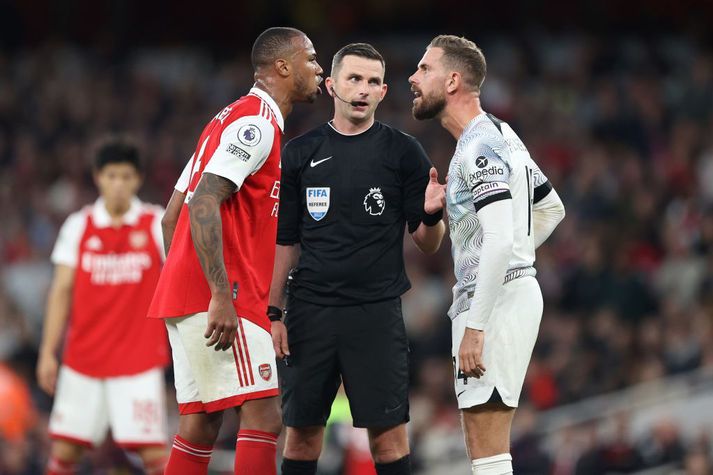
(464,56)
(272,44)
(117,149)
(362,50)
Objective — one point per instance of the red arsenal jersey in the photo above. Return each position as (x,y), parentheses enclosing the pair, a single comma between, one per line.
(116,271)
(242,144)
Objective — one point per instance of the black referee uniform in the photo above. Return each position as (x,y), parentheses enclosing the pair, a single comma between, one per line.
(346,200)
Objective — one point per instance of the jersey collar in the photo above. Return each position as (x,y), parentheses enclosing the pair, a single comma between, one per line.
(272,104)
(102,219)
(472,122)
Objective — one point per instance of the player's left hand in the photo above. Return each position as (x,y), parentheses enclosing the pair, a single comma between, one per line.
(435,197)
(470,353)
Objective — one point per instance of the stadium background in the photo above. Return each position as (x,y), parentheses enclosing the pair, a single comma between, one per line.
(613,99)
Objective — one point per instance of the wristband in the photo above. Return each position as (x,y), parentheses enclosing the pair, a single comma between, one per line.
(432,219)
(274,313)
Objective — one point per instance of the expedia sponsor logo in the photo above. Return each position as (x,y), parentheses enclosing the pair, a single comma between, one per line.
(480,175)
(115,269)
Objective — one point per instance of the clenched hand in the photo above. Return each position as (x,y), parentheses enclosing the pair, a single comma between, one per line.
(470,353)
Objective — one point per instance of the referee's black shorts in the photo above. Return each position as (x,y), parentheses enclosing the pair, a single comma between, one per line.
(363,345)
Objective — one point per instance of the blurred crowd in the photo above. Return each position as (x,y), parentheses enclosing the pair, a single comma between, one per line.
(622,127)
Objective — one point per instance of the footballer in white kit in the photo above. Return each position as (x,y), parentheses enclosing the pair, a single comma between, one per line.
(500,208)
(491,164)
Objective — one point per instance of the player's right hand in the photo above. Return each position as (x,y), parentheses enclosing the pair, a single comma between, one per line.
(279,339)
(47,369)
(435,197)
(222,323)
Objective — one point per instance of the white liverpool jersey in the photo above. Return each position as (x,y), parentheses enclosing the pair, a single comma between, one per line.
(490,163)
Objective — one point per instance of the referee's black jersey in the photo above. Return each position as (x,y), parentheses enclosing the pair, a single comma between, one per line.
(346,200)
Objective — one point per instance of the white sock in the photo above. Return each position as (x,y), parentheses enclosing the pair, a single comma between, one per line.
(500,464)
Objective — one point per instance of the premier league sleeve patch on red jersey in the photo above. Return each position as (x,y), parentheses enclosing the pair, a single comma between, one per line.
(249,135)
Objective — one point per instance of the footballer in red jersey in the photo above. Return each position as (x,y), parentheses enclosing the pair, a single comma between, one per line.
(107,261)
(220,228)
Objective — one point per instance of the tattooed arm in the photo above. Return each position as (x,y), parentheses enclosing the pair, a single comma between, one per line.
(207,234)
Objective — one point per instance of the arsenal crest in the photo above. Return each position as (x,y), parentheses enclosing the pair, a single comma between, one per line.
(138,239)
(265,371)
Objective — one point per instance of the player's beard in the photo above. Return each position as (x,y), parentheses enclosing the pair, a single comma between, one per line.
(429,107)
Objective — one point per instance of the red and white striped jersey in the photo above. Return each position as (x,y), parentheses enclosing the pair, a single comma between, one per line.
(242,144)
(116,271)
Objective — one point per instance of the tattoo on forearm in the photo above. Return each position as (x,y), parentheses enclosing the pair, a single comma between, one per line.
(207,227)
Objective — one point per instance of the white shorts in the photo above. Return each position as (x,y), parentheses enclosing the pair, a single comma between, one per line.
(510,336)
(208,380)
(134,407)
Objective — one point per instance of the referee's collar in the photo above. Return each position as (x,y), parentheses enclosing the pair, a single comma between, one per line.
(271,104)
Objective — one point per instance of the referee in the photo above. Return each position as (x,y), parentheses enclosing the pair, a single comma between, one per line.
(348,190)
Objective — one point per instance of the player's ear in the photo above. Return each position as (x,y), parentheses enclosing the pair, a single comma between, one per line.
(384,89)
(283,67)
(453,82)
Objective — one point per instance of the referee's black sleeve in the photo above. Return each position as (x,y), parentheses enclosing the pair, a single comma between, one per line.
(288,222)
(415,166)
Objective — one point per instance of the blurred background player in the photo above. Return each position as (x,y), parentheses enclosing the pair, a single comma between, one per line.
(107,261)
(349,188)
(501,207)
(213,290)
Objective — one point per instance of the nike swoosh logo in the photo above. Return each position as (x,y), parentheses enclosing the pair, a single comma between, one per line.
(458,395)
(389,411)
(314,164)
